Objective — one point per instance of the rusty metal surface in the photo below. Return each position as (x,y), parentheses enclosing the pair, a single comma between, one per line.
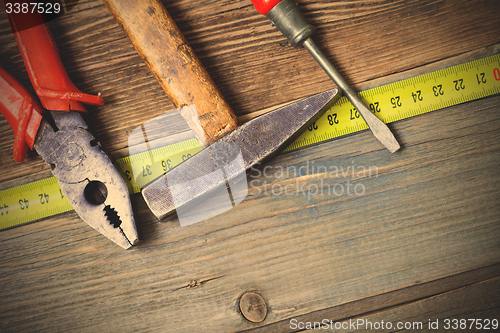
(87,177)
(224,163)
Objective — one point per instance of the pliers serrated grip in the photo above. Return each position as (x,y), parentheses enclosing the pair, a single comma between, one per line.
(62,138)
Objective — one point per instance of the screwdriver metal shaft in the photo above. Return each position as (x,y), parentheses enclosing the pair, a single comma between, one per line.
(286,16)
(378,128)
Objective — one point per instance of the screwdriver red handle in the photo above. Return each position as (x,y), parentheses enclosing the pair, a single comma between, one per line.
(264,6)
(21,111)
(285,15)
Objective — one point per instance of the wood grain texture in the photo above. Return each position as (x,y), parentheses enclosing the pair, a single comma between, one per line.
(427,212)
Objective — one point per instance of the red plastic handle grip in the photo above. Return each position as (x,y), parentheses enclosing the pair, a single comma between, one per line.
(264,6)
(17,106)
(43,63)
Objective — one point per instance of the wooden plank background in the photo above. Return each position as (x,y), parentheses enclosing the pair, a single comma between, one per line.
(429,214)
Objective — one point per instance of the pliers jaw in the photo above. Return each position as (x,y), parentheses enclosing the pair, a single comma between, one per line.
(75,156)
(87,177)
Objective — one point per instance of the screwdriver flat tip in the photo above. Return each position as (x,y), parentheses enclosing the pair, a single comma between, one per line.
(378,128)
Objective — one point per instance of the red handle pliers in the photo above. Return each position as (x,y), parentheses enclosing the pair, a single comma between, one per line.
(84,172)
(48,76)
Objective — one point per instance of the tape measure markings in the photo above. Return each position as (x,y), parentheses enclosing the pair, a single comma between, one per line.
(426,88)
(32,201)
(155,162)
(390,102)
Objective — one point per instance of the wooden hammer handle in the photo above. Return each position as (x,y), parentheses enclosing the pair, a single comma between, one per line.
(162,46)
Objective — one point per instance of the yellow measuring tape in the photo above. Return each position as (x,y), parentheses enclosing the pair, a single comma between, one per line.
(391,102)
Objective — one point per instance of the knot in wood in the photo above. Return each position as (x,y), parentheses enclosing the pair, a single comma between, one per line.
(253,307)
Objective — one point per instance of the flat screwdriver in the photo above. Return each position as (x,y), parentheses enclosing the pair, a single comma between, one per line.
(286,16)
